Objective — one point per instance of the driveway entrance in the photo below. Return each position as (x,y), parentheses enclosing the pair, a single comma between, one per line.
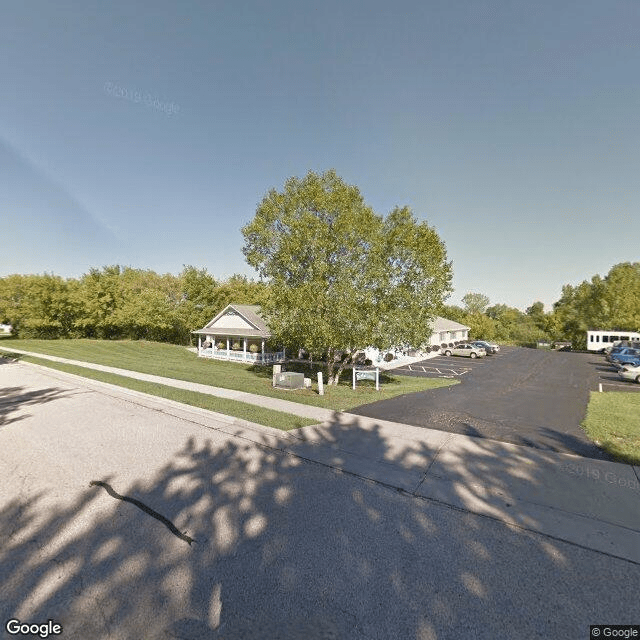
(522,396)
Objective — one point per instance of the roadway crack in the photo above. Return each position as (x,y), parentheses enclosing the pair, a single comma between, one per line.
(154,514)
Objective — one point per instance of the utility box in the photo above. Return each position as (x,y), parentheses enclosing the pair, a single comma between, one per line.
(290,380)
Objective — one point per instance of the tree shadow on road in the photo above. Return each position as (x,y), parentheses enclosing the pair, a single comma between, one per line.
(287,548)
(13,399)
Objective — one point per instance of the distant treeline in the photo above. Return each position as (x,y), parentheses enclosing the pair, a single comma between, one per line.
(608,303)
(120,303)
(124,303)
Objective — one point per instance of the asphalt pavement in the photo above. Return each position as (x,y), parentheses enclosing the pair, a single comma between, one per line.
(128,516)
(522,396)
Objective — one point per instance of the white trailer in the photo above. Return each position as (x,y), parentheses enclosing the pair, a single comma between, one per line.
(602,340)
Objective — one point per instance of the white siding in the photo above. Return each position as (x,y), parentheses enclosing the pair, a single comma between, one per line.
(231,321)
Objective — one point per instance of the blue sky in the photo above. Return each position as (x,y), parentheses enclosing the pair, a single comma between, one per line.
(146,133)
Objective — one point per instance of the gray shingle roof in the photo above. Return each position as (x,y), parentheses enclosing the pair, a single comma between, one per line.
(442,324)
(250,312)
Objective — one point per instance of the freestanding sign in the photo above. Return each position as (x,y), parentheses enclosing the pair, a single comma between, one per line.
(366,374)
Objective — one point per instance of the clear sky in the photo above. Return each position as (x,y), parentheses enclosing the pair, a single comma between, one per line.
(146,133)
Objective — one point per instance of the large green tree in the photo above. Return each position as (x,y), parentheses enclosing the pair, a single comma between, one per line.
(475,302)
(342,277)
(609,303)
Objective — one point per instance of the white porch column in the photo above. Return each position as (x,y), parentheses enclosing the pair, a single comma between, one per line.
(228,354)
(244,349)
(262,351)
(199,343)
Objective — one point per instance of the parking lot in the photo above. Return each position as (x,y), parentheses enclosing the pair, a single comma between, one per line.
(446,366)
(608,378)
(523,396)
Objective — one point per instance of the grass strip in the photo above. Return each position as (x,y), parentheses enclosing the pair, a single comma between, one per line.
(235,408)
(175,361)
(613,421)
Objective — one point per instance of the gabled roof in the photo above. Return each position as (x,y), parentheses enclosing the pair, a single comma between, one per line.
(442,324)
(250,313)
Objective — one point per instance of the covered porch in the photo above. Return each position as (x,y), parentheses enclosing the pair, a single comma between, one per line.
(238,349)
(238,334)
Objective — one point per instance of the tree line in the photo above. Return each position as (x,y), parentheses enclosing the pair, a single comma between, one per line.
(336,277)
(607,303)
(117,302)
(124,303)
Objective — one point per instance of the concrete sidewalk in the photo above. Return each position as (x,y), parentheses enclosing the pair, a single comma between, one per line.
(286,406)
(591,503)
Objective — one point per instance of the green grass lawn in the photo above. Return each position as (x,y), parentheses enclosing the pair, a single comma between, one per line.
(174,361)
(613,421)
(244,410)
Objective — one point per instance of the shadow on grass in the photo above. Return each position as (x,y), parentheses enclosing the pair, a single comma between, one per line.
(284,548)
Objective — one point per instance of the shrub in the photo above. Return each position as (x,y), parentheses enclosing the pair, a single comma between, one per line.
(368,362)
(388,357)
(221,345)
(254,348)
(236,346)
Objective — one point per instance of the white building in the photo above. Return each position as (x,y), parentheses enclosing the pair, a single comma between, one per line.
(237,333)
(448,331)
(444,332)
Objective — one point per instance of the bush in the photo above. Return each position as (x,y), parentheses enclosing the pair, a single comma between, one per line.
(221,345)
(254,348)
(388,357)
(236,346)
(368,362)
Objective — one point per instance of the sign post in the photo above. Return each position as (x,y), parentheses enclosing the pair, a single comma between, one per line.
(366,374)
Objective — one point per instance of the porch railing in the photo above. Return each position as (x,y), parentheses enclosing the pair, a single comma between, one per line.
(240,356)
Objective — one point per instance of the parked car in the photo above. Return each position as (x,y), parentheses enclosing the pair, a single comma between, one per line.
(634,362)
(467,350)
(615,351)
(630,372)
(625,356)
(620,344)
(487,346)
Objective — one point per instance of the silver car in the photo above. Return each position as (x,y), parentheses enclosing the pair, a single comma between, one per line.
(629,372)
(467,350)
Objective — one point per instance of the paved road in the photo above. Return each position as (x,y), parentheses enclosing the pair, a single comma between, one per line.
(284,548)
(522,396)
